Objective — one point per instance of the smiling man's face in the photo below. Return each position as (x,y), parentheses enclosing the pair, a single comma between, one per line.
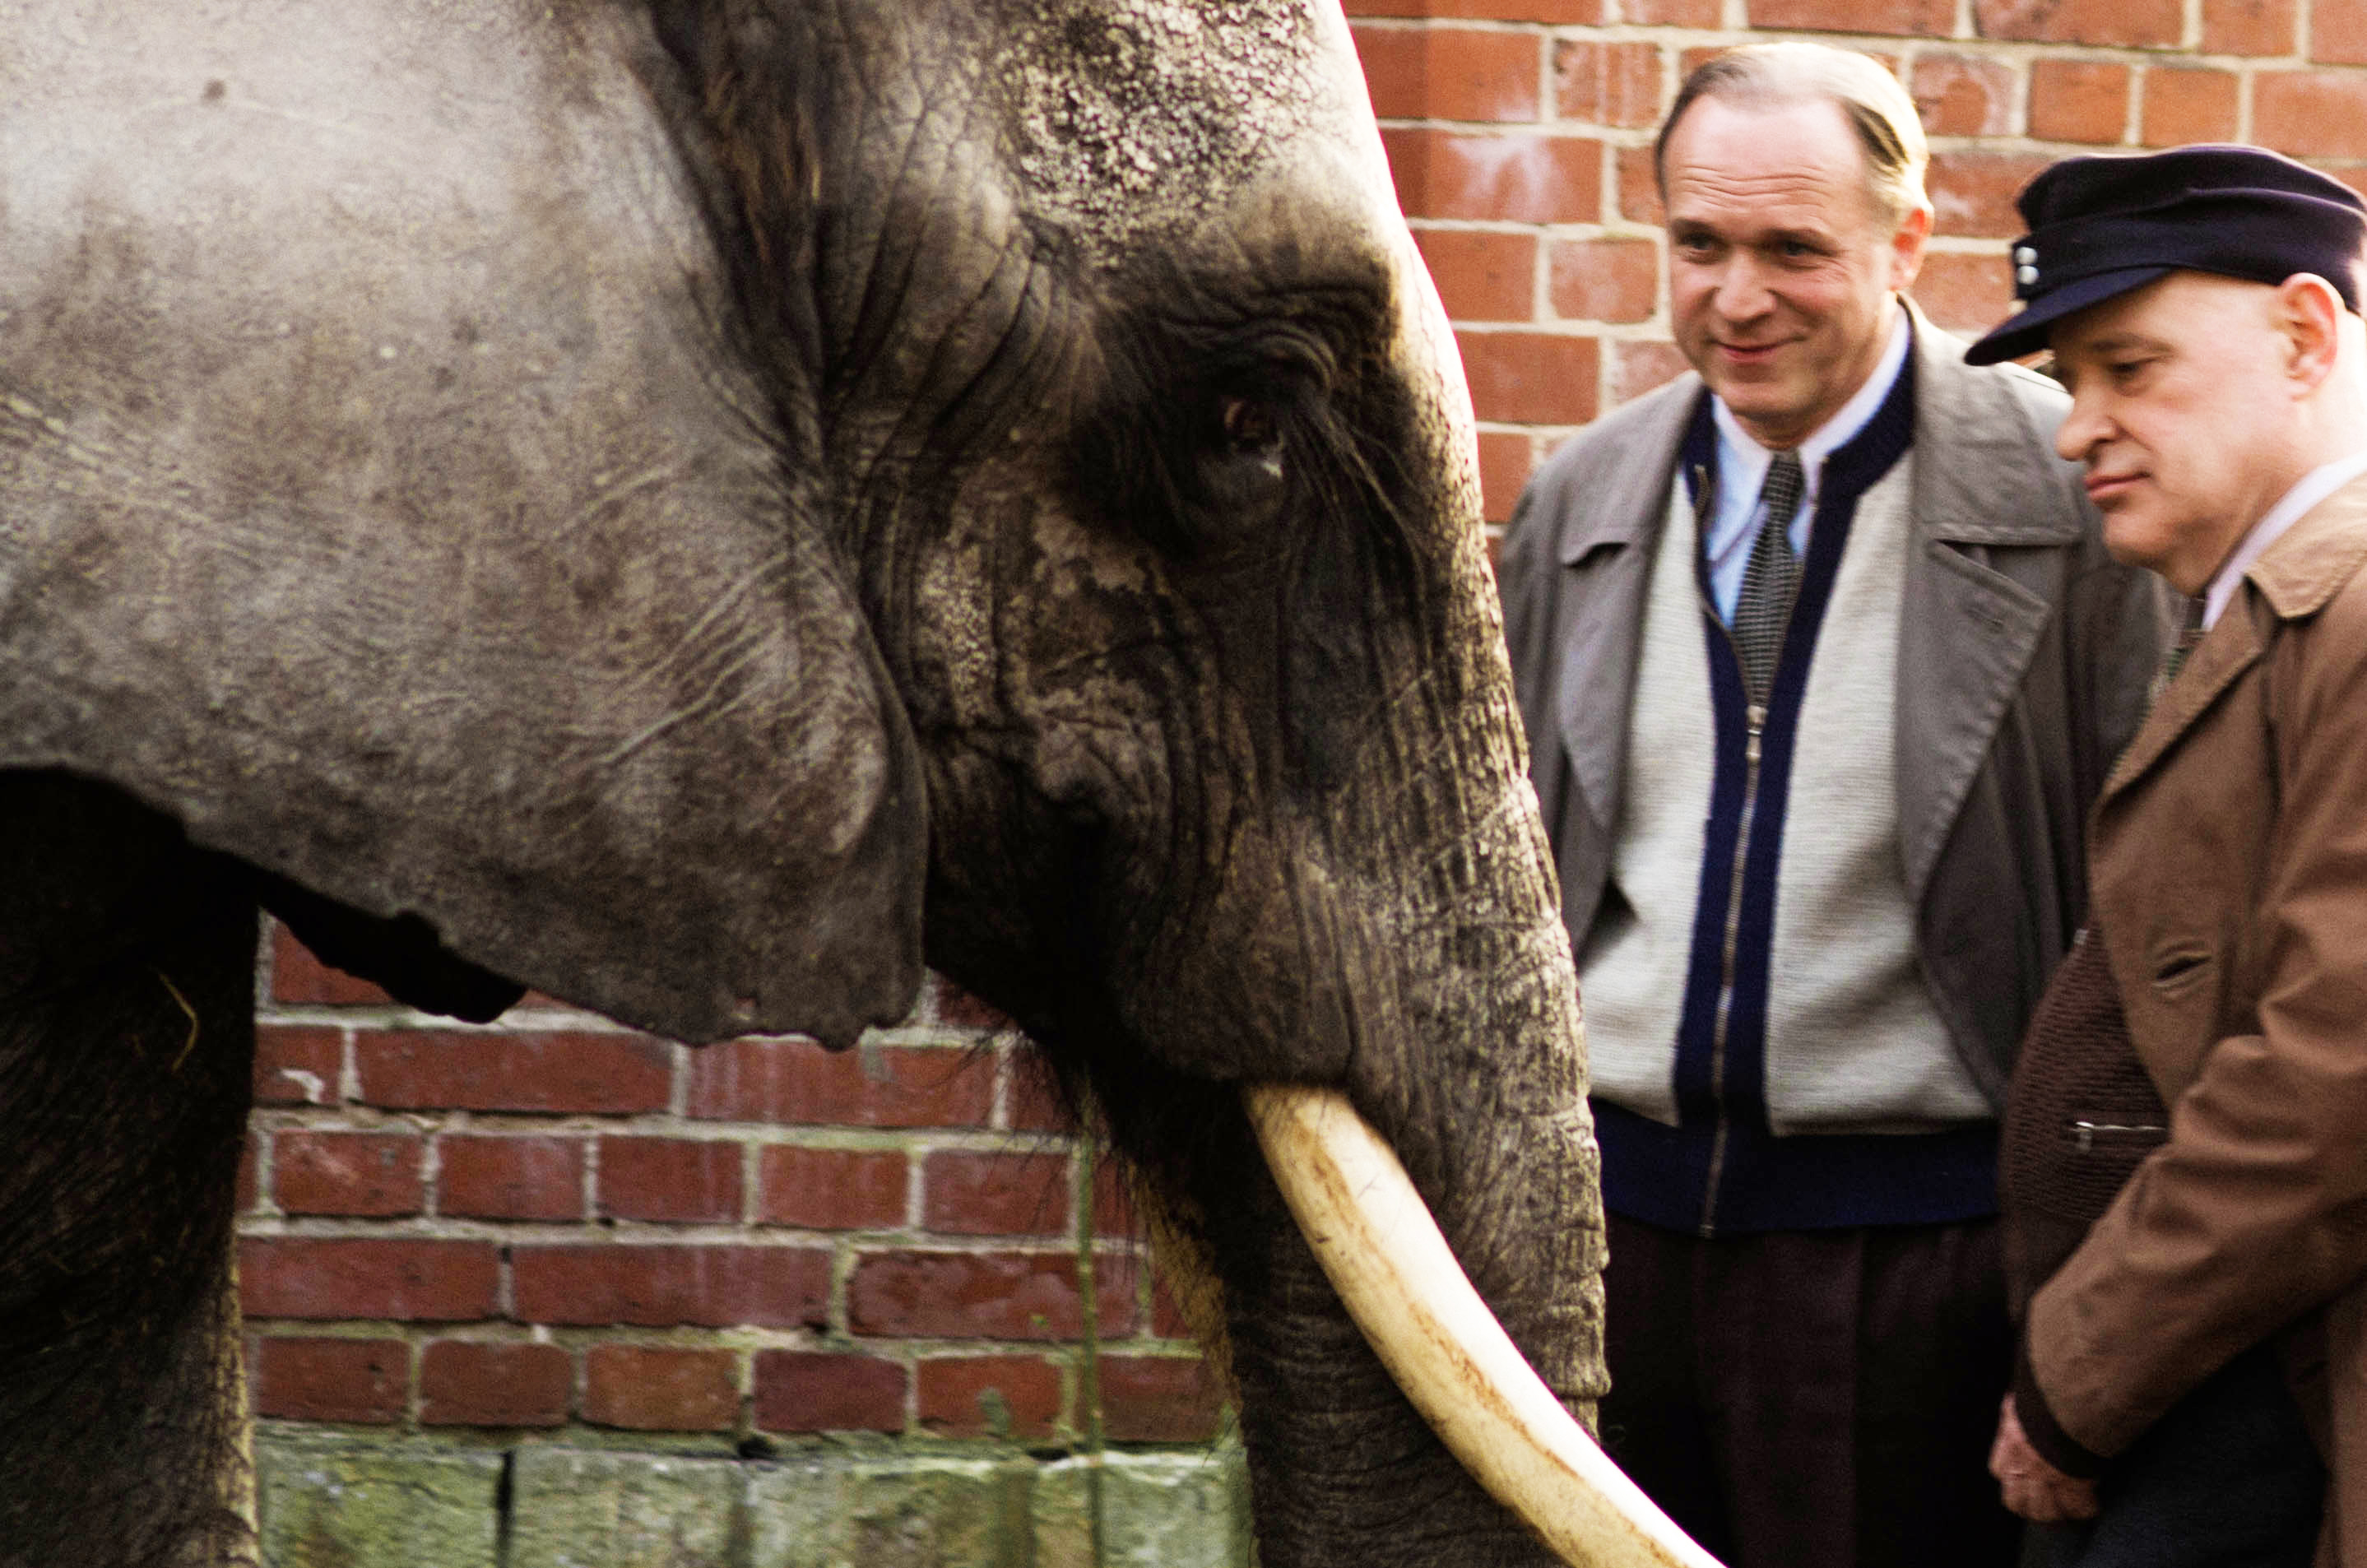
(2182,397)
(1780,266)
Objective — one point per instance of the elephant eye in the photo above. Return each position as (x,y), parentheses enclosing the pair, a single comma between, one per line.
(1249,425)
(1243,478)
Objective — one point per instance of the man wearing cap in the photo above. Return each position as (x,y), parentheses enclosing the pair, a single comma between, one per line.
(1822,660)
(2205,1342)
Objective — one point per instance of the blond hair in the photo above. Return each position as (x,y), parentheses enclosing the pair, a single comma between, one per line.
(1774,76)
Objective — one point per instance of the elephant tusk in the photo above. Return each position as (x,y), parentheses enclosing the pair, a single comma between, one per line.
(1383,1252)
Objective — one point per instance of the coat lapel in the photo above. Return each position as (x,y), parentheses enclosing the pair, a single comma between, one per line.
(1605,563)
(2295,577)
(1969,630)
(2225,652)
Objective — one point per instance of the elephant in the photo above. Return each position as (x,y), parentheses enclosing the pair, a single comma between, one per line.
(705,508)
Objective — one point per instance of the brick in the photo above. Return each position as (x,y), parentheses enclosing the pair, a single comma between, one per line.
(1037,1103)
(1605,280)
(831,1190)
(347,1173)
(297,1065)
(796,1081)
(651,1388)
(675,1180)
(2311,114)
(495,1178)
(970,1193)
(464,1383)
(1161,1399)
(2247,26)
(2133,24)
(1607,83)
(2078,100)
(401,1279)
(989,1396)
(559,1071)
(299,978)
(1966,294)
(2182,107)
(1644,363)
(1639,187)
(566,1506)
(360,1501)
(1554,13)
(1963,95)
(1691,60)
(1450,72)
(802,1390)
(1114,1207)
(1903,18)
(1672,13)
(1505,463)
(655,1287)
(2337,31)
(1512,179)
(1531,377)
(367,1382)
(1972,193)
(985,1295)
(247,1193)
(1481,277)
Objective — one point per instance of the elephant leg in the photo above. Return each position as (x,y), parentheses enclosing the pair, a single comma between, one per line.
(126,1064)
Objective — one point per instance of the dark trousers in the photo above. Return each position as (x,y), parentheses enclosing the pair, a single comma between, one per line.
(2228,1479)
(1814,1399)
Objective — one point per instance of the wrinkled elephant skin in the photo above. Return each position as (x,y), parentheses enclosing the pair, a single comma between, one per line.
(703,508)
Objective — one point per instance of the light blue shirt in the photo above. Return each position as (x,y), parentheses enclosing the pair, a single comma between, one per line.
(1742,469)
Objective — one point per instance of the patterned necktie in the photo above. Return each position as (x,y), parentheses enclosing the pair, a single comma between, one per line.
(2190,632)
(1769,578)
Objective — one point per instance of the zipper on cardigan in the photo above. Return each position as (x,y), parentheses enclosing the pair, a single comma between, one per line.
(1756,715)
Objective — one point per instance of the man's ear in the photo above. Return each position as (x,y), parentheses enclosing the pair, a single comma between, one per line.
(1906,247)
(2308,313)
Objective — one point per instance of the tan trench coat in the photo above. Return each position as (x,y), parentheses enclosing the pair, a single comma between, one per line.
(2229,875)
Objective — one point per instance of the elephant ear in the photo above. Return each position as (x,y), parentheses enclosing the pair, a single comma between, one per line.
(382,495)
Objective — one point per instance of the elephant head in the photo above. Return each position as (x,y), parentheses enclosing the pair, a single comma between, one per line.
(712,504)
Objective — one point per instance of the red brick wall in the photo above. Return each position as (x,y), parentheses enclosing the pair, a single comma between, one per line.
(554,1222)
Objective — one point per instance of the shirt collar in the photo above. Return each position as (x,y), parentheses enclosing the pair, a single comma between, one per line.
(1742,461)
(2313,488)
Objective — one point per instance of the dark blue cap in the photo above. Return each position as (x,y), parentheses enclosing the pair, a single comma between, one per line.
(2102,226)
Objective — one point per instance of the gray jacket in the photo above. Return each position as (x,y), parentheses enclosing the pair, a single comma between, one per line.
(2025,660)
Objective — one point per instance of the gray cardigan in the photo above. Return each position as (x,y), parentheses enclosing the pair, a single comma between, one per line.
(2026,656)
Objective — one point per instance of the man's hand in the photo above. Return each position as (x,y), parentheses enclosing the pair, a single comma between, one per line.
(2033,1488)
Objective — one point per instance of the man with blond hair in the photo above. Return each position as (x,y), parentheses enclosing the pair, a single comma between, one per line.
(1822,661)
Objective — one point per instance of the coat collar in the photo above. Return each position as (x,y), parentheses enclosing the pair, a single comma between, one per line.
(1975,482)
(2294,579)
(1632,507)
(2301,571)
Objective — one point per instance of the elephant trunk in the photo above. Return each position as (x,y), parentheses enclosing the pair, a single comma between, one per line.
(1467,1063)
